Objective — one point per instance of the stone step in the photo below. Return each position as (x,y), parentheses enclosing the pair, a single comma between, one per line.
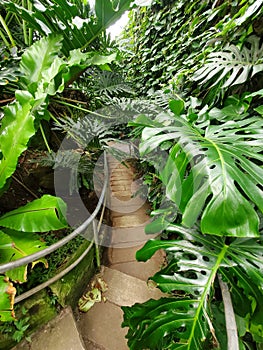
(61,333)
(129,236)
(101,325)
(124,260)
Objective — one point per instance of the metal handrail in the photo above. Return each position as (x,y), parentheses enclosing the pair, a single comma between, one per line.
(55,278)
(35,256)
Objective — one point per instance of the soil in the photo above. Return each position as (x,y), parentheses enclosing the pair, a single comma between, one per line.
(31,180)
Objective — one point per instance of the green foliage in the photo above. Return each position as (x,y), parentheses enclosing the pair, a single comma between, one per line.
(169,41)
(208,155)
(43,214)
(204,166)
(102,86)
(18,239)
(232,66)
(16,129)
(17,328)
(20,245)
(43,78)
(79,26)
(7,299)
(184,321)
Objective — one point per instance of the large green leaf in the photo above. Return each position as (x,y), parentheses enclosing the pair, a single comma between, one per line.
(156,324)
(73,20)
(7,292)
(233,66)
(16,129)
(44,214)
(37,59)
(184,321)
(22,244)
(214,171)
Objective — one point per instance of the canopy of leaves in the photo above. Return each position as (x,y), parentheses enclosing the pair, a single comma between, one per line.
(74,19)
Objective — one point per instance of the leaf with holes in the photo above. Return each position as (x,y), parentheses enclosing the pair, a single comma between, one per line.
(232,66)
(185,321)
(73,20)
(214,172)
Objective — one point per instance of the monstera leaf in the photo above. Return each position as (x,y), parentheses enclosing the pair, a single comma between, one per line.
(184,321)
(232,66)
(213,172)
(72,19)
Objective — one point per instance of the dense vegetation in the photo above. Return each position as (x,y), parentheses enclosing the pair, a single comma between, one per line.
(198,66)
(45,50)
(205,148)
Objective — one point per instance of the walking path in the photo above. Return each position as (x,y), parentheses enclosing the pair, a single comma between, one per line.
(126,279)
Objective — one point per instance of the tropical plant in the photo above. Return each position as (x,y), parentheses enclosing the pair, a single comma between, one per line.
(212,173)
(232,66)
(40,79)
(19,238)
(185,320)
(167,42)
(80,26)
(44,72)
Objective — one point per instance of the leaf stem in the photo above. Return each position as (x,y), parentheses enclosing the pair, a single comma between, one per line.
(25,187)
(83,109)
(44,137)
(231,327)
(206,291)
(24,26)
(2,21)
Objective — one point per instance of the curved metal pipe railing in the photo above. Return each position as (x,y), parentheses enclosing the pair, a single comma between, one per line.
(35,256)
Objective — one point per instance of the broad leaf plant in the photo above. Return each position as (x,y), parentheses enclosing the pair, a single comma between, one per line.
(213,175)
(66,31)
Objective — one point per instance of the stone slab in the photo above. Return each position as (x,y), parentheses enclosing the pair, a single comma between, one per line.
(59,334)
(129,237)
(130,209)
(130,220)
(125,290)
(121,255)
(122,193)
(138,269)
(130,234)
(124,260)
(101,325)
(122,203)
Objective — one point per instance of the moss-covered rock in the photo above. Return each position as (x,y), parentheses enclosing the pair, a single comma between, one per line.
(70,288)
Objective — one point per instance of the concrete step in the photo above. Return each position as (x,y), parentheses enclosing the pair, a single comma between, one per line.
(123,259)
(101,325)
(61,333)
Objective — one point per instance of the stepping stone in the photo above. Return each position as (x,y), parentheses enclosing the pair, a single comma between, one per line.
(125,290)
(129,236)
(59,334)
(101,326)
(128,207)
(121,255)
(130,220)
